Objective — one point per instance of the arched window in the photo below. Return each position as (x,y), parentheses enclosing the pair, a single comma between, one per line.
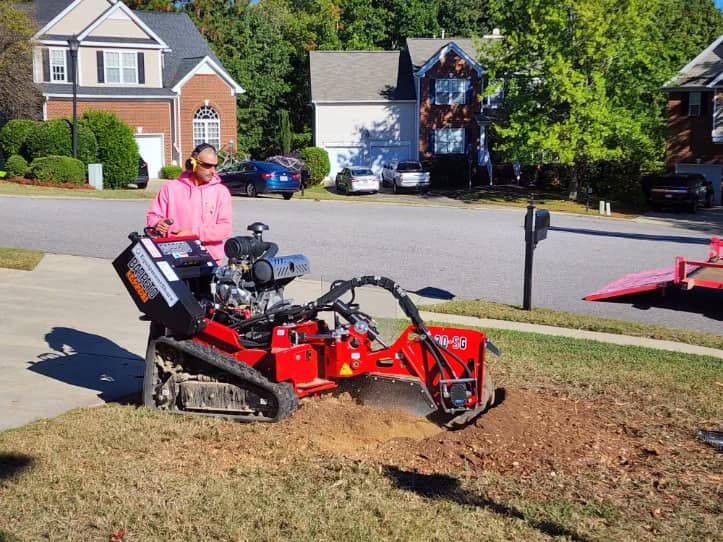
(206,127)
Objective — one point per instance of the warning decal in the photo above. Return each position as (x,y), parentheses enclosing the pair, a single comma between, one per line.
(146,279)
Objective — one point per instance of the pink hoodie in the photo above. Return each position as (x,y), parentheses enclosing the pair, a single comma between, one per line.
(205,210)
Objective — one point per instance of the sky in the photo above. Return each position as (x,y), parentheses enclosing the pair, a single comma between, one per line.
(719,4)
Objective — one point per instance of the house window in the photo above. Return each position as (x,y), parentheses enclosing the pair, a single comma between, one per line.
(121,67)
(450,91)
(58,69)
(449,141)
(206,127)
(495,97)
(694,104)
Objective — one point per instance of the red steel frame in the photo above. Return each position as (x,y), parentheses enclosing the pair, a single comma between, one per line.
(314,364)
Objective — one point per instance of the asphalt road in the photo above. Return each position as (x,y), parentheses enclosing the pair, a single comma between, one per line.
(452,252)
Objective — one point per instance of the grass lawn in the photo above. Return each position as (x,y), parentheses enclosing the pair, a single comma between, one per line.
(548,317)
(94,472)
(14,189)
(19,258)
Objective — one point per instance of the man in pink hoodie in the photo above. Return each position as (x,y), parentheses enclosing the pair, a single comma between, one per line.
(196,203)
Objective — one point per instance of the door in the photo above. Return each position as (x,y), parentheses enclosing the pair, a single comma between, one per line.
(150,147)
(344,156)
(383,153)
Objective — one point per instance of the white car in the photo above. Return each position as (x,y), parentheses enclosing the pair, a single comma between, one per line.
(356,179)
(407,174)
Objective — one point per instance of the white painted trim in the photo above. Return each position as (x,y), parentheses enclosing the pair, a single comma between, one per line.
(180,126)
(57,18)
(315,142)
(716,81)
(65,80)
(417,127)
(96,44)
(121,6)
(219,71)
(120,67)
(110,97)
(348,102)
(439,56)
(45,108)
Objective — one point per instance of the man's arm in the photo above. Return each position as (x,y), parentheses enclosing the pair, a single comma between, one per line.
(158,209)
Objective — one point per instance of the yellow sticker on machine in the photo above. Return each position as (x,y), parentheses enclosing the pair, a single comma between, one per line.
(345,370)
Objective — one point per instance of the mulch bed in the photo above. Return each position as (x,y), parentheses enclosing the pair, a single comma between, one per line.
(35,182)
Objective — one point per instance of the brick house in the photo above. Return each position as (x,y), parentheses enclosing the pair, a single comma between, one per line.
(694,140)
(154,70)
(418,103)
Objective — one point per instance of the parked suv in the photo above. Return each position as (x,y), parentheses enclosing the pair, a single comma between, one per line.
(405,174)
(681,190)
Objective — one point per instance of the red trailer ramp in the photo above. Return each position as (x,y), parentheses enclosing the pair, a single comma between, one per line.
(685,274)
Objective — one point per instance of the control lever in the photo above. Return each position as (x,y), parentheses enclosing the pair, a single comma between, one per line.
(151,231)
(352,317)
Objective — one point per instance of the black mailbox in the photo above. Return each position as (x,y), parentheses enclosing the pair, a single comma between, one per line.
(542,223)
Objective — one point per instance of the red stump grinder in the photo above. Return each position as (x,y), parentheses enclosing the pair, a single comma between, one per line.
(225,342)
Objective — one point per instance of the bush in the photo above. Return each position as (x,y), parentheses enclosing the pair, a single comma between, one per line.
(16,165)
(117,148)
(301,140)
(14,134)
(170,172)
(451,171)
(317,161)
(58,169)
(55,137)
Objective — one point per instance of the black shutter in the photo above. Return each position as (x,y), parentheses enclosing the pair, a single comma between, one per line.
(432,92)
(69,67)
(704,97)
(684,101)
(431,141)
(46,65)
(101,70)
(469,97)
(141,69)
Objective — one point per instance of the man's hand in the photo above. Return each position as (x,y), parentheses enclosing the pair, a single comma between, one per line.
(163,226)
(183,233)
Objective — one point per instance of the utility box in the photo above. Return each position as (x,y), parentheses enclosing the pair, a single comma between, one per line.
(95,176)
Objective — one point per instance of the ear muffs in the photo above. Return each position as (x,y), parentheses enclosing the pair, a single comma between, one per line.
(191,164)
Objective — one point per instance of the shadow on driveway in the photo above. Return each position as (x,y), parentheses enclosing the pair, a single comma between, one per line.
(636,236)
(90,361)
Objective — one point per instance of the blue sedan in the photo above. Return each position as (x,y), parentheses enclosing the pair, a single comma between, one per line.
(255,177)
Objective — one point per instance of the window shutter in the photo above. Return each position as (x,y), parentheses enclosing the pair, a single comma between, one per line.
(704,102)
(469,96)
(432,92)
(46,65)
(141,69)
(431,141)
(684,104)
(101,70)
(69,67)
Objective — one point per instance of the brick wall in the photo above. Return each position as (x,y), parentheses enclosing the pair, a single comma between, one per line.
(432,116)
(195,92)
(153,116)
(689,138)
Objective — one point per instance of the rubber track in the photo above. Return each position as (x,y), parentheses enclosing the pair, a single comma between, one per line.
(283,392)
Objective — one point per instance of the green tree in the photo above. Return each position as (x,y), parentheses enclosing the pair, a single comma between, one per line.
(363,24)
(284,131)
(16,64)
(465,18)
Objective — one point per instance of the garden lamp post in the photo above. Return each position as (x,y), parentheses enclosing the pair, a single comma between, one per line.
(73,44)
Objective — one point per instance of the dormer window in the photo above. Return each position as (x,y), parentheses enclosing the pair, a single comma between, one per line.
(121,67)
(58,67)
(450,91)
(694,104)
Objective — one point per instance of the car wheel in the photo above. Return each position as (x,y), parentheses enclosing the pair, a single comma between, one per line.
(251,190)
(288,195)
(693,206)
(709,201)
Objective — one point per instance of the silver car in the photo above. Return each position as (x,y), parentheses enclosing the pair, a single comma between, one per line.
(357,179)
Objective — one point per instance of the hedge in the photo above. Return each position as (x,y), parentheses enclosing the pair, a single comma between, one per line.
(117,148)
(14,134)
(58,169)
(16,165)
(170,172)
(317,160)
(55,137)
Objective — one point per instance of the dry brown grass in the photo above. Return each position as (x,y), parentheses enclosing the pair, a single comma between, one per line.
(19,258)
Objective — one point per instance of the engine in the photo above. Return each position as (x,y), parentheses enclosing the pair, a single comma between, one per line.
(253,280)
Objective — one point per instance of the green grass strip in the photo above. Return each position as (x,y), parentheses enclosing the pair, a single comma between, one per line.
(14,189)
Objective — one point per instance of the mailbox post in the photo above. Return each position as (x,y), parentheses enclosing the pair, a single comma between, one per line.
(536,225)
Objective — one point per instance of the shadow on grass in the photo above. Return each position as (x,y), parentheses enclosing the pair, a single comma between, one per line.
(442,486)
(433,292)
(705,301)
(11,464)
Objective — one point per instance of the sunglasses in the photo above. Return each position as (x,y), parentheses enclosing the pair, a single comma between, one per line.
(206,165)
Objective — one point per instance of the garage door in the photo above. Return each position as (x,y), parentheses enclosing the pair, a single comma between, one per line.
(150,147)
(380,154)
(711,172)
(343,156)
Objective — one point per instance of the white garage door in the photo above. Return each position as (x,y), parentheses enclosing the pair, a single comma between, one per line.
(343,156)
(712,172)
(380,154)
(150,147)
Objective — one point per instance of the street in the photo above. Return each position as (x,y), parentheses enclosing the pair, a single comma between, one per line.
(449,252)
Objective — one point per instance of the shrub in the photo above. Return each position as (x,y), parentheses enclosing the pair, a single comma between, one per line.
(317,161)
(16,165)
(55,137)
(14,134)
(170,172)
(449,171)
(58,169)
(301,140)
(117,148)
